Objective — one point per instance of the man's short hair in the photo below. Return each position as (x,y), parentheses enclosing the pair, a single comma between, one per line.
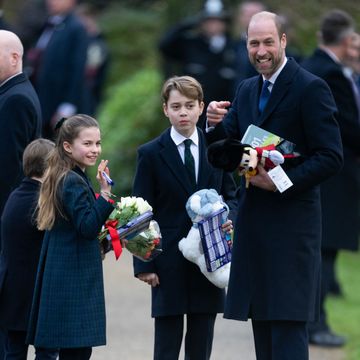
(335,25)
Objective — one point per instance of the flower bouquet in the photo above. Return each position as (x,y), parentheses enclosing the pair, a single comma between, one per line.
(146,245)
(132,220)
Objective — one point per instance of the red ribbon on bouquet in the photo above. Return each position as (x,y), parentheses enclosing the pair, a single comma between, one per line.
(115,239)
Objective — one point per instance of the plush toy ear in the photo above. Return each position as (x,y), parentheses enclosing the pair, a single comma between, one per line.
(225,154)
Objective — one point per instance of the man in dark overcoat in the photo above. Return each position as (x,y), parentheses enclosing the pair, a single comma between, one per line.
(20,115)
(275,271)
(339,194)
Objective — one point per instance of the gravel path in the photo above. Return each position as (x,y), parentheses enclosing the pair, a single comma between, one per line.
(130,328)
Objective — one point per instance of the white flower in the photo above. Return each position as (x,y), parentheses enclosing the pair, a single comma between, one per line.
(142,205)
(128,201)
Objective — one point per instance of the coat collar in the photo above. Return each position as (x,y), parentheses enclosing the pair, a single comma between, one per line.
(13,81)
(77,170)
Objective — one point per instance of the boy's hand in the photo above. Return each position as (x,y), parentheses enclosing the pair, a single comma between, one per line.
(150,278)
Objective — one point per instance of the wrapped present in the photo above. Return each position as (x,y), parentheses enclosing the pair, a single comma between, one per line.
(215,242)
(206,244)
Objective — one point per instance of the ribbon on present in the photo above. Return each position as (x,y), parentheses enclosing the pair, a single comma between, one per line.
(115,239)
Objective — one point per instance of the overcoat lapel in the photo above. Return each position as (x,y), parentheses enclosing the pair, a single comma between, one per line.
(254,102)
(10,83)
(204,167)
(172,158)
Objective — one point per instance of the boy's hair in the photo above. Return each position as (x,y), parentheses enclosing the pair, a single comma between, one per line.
(60,163)
(35,157)
(185,85)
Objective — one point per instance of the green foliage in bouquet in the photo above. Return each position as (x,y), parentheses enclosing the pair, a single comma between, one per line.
(146,244)
(130,117)
(124,216)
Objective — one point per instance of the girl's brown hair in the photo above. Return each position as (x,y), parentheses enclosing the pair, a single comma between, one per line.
(59,164)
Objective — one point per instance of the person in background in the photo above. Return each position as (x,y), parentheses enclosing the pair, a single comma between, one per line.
(68,308)
(245,11)
(352,62)
(20,113)
(56,64)
(97,62)
(202,47)
(178,287)
(21,245)
(340,208)
(275,268)
(28,24)
(20,119)
(3,23)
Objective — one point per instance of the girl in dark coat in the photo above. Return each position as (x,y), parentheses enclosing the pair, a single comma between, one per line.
(68,310)
(21,245)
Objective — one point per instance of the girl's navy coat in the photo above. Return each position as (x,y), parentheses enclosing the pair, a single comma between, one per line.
(68,309)
(21,245)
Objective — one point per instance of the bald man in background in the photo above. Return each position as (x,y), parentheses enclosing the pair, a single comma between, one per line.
(20,114)
(20,121)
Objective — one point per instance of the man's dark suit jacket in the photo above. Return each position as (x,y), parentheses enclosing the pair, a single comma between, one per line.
(276,256)
(20,255)
(162,180)
(20,123)
(340,194)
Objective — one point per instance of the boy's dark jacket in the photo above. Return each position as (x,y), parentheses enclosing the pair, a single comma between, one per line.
(162,180)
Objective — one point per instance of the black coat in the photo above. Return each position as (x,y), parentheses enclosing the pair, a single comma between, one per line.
(340,194)
(60,75)
(275,268)
(161,179)
(20,255)
(20,123)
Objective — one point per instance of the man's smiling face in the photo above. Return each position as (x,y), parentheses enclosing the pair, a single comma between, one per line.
(265,46)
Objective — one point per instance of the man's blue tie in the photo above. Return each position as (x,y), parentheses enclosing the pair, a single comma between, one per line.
(264,96)
(189,162)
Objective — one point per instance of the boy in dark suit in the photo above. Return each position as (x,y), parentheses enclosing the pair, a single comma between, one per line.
(163,179)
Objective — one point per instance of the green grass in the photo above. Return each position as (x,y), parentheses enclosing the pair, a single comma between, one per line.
(344,313)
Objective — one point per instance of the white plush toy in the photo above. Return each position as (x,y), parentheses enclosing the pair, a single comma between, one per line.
(199,206)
